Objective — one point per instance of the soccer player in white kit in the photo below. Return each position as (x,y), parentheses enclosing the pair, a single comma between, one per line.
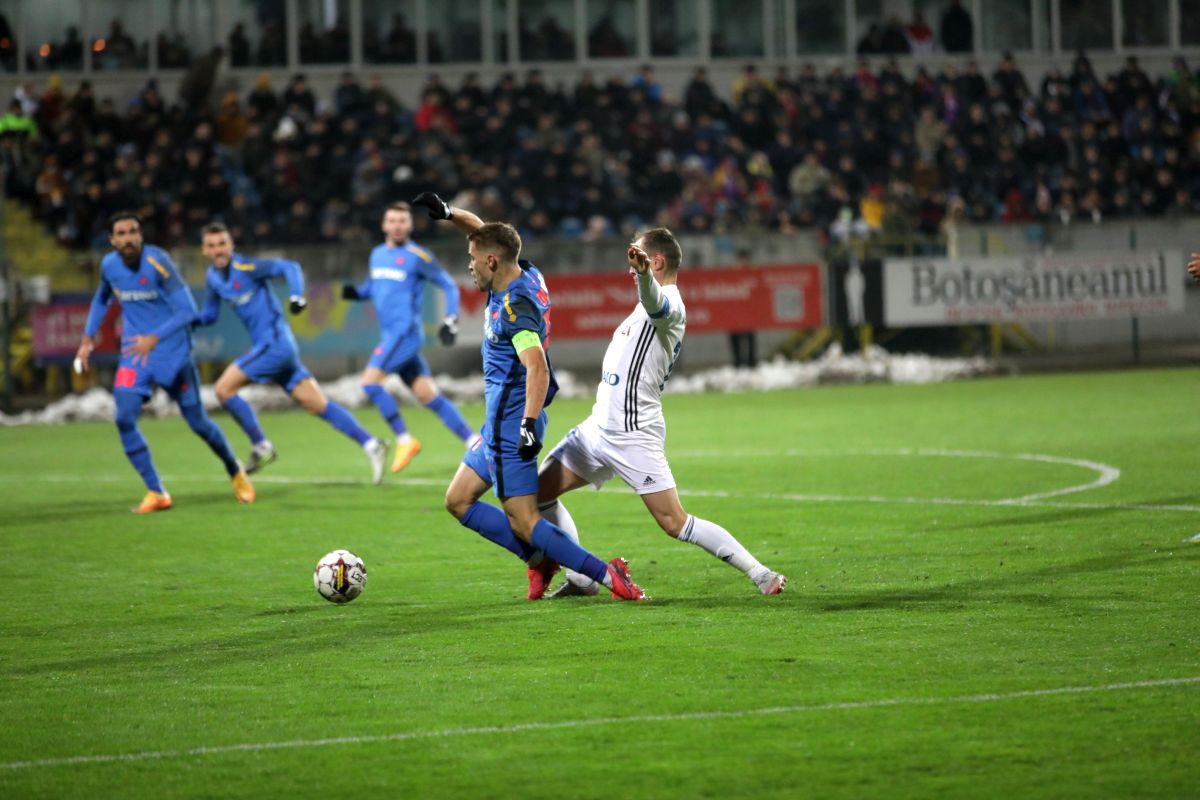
(626,432)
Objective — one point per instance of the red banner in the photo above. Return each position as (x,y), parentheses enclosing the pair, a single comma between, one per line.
(57,329)
(585,306)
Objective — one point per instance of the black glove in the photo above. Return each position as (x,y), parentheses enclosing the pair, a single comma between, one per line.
(530,445)
(349,291)
(438,208)
(297,304)
(449,330)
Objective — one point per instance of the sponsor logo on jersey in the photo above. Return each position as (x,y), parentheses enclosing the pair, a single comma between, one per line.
(388,274)
(134,295)
(611,378)
(243,298)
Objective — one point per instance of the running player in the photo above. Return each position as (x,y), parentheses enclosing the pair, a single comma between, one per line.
(626,432)
(273,356)
(518,383)
(396,284)
(157,311)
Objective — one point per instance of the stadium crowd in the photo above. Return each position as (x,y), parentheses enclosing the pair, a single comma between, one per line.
(863,149)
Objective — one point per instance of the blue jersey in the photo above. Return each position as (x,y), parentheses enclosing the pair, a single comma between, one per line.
(153,298)
(523,305)
(246,284)
(397,285)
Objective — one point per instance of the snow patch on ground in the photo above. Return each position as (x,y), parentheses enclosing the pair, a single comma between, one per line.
(873,365)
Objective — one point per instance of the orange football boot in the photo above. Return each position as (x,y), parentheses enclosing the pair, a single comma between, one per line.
(153,501)
(243,489)
(405,451)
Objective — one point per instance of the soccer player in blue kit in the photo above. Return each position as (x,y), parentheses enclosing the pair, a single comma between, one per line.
(399,270)
(518,383)
(273,356)
(157,311)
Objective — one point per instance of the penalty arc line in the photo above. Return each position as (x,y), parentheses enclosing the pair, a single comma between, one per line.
(447,733)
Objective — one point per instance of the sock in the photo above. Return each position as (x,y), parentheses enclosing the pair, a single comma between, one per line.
(340,418)
(129,405)
(716,540)
(245,417)
(492,524)
(451,417)
(556,514)
(386,404)
(556,544)
(207,430)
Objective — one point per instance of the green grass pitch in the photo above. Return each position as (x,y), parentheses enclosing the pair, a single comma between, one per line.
(956,623)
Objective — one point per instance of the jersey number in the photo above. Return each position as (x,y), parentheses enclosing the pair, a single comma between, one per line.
(126,378)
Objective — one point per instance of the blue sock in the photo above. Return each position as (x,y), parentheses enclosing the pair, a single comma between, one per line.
(207,430)
(451,417)
(386,404)
(551,540)
(245,417)
(492,524)
(340,418)
(129,405)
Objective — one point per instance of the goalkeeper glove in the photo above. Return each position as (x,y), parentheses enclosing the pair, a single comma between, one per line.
(297,303)
(449,330)
(530,445)
(349,291)
(438,208)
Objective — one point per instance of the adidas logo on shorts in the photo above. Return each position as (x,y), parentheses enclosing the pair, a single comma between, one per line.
(648,481)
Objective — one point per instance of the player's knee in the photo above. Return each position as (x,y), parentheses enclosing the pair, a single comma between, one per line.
(224,392)
(457,504)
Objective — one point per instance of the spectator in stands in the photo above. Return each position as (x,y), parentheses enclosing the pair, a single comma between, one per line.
(239,47)
(920,36)
(958,31)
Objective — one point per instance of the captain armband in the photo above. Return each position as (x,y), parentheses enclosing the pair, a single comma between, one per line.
(524,340)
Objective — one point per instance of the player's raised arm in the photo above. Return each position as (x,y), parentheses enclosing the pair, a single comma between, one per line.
(462,219)
(650,294)
(100,303)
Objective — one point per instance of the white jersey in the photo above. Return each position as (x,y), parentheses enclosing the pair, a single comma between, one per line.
(639,360)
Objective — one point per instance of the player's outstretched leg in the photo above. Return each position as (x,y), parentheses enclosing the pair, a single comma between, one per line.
(574,584)
(712,538)
(206,429)
(129,405)
(719,542)
(262,452)
(462,501)
(407,445)
(309,395)
(560,548)
(451,417)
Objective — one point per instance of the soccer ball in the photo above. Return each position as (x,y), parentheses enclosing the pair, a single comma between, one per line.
(340,576)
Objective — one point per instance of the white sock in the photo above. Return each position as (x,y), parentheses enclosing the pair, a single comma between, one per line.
(404,438)
(716,540)
(556,513)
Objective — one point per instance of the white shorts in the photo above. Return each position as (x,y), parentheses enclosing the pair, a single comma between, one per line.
(595,455)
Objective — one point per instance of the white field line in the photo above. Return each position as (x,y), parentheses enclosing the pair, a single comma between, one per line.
(1106,473)
(448,733)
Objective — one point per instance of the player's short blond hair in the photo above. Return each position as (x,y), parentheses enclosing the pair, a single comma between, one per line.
(500,237)
(660,241)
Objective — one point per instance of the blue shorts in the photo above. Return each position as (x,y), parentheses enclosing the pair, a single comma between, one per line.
(494,458)
(276,362)
(174,372)
(400,353)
